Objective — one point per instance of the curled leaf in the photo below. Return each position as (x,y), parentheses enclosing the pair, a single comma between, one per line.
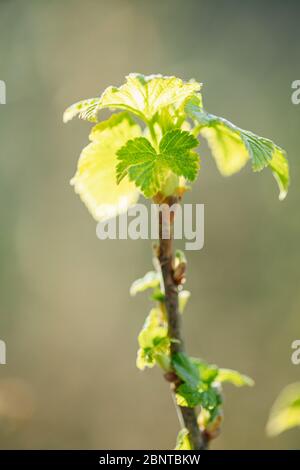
(151,280)
(232,146)
(234,377)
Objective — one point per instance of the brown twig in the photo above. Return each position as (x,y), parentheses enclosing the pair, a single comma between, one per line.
(187,416)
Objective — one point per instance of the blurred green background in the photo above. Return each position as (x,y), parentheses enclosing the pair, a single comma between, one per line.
(69,324)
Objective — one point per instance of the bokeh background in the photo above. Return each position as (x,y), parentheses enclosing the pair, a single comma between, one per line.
(69,324)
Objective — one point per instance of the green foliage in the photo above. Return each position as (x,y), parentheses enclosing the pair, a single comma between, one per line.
(234,377)
(85,109)
(201,383)
(285,413)
(183,442)
(151,280)
(180,257)
(149,170)
(153,341)
(183,297)
(232,146)
(160,158)
(144,96)
(196,389)
(149,148)
(186,370)
(95,178)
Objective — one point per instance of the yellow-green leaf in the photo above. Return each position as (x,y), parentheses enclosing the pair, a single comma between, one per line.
(183,441)
(153,328)
(95,179)
(285,413)
(232,146)
(183,297)
(226,147)
(85,109)
(280,168)
(150,169)
(141,95)
(151,280)
(234,377)
(153,340)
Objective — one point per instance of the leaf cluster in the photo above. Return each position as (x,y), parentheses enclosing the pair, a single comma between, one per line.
(148,146)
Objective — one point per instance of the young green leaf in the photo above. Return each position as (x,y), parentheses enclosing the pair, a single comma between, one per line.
(211,399)
(186,369)
(180,257)
(149,170)
(280,169)
(153,340)
(140,162)
(188,396)
(234,377)
(141,95)
(285,413)
(95,179)
(175,149)
(208,397)
(85,109)
(207,372)
(158,295)
(183,442)
(151,280)
(183,297)
(232,146)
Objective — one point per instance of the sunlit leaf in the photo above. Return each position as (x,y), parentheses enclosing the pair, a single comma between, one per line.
(175,150)
(149,170)
(140,162)
(153,339)
(232,146)
(183,442)
(95,179)
(183,297)
(227,148)
(285,413)
(234,377)
(186,369)
(151,280)
(85,109)
(280,167)
(207,372)
(142,95)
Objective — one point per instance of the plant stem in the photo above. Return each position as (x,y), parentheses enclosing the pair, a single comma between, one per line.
(187,416)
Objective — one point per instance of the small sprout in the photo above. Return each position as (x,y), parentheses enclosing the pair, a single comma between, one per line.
(183,297)
(183,441)
(211,425)
(151,280)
